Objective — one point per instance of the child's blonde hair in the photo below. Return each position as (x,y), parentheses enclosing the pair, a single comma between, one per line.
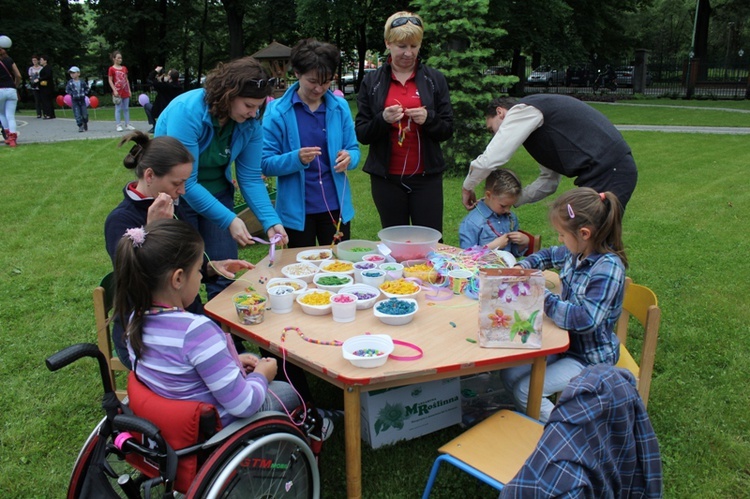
(600,212)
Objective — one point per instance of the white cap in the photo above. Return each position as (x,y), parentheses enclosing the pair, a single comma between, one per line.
(74,69)
(5,42)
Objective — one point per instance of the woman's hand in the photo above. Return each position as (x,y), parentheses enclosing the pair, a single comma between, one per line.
(227,268)
(417,114)
(393,113)
(162,208)
(308,154)
(343,159)
(278,229)
(239,232)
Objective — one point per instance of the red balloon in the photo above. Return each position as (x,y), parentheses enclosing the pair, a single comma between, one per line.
(94,101)
(60,101)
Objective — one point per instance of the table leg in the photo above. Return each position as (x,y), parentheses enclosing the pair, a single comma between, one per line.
(536,387)
(353,442)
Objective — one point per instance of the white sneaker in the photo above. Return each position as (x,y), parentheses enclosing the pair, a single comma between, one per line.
(326,430)
(130,127)
(119,128)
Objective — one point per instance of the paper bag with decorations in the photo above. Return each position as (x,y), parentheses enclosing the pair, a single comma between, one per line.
(511,304)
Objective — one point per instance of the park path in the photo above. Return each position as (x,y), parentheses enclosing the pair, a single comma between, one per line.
(63,128)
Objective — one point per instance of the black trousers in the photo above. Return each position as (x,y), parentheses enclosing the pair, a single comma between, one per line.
(416,200)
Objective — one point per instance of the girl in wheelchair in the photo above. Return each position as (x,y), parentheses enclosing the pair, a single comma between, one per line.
(178,354)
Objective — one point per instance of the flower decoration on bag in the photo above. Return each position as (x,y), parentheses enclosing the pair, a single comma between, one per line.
(524,328)
(499,319)
(510,291)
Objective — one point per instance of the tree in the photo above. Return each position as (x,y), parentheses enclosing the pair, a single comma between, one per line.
(459,42)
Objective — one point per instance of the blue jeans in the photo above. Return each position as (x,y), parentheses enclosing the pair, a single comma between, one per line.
(560,370)
(220,245)
(80,111)
(124,108)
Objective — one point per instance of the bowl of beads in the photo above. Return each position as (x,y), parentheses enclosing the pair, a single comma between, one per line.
(298,285)
(392,270)
(374,258)
(420,269)
(303,271)
(395,311)
(314,256)
(400,288)
(338,267)
(354,249)
(250,306)
(367,350)
(366,295)
(409,242)
(315,302)
(361,266)
(332,282)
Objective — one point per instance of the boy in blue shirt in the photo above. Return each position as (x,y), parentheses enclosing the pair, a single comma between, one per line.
(78,90)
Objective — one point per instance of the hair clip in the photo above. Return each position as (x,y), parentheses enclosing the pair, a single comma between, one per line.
(603,196)
(136,151)
(571,213)
(137,235)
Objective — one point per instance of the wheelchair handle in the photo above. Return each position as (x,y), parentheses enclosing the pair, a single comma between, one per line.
(68,355)
(127,422)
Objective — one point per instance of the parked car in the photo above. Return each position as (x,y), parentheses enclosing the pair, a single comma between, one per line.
(497,70)
(625,76)
(579,75)
(547,76)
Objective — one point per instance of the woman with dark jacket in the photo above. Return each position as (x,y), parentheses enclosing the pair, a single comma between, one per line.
(404,115)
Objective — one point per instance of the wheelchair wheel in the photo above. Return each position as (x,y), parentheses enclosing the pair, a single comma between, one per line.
(267,459)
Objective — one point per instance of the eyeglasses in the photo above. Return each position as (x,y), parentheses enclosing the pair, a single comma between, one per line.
(270,82)
(400,21)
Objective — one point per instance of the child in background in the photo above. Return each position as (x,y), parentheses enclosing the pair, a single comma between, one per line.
(592,265)
(177,354)
(118,81)
(78,90)
(491,223)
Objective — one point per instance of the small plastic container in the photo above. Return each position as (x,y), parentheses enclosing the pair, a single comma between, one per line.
(359,267)
(343,307)
(354,249)
(393,270)
(338,267)
(367,350)
(299,285)
(375,258)
(314,256)
(366,295)
(400,288)
(395,319)
(332,282)
(303,271)
(422,270)
(281,299)
(374,277)
(324,300)
(251,307)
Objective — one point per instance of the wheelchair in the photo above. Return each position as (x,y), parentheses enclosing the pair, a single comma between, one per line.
(267,456)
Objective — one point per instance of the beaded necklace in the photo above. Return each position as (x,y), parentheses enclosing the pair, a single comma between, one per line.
(160,308)
(334,343)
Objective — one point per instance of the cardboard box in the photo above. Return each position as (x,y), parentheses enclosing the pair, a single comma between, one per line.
(409,411)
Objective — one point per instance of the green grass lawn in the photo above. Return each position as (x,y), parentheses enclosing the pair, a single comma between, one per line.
(686,237)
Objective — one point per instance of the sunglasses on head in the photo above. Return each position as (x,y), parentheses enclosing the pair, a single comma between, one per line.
(400,21)
(270,82)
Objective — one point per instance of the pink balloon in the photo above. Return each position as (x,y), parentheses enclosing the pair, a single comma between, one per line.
(88,102)
(338,93)
(68,100)
(143,99)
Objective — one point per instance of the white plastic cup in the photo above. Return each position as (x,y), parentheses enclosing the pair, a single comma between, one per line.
(343,307)
(373,277)
(392,270)
(359,267)
(281,299)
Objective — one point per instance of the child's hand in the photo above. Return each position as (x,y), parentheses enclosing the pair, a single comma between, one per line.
(249,361)
(519,238)
(500,242)
(267,367)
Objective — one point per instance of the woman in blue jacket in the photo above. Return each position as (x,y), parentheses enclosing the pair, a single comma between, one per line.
(309,143)
(220,125)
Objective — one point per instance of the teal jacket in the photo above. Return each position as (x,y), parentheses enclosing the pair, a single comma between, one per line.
(281,146)
(186,118)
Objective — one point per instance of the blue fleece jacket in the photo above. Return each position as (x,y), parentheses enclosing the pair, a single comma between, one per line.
(187,119)
(281,144)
